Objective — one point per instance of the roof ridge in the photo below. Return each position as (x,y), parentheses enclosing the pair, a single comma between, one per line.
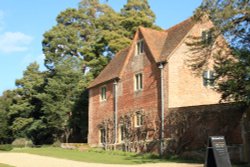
(177,25)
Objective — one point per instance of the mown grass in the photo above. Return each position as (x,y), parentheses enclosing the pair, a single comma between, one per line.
(4,165)
(93,155)
(101,156)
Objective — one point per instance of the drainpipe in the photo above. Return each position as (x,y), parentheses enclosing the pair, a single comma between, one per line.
(161,67)
(115,113)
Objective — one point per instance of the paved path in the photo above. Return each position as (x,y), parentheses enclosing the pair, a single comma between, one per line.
(29,160)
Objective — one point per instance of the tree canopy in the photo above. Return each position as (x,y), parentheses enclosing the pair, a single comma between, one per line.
(53,105)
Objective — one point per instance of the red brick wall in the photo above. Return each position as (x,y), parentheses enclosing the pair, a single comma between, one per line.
(99,110)
(129,100)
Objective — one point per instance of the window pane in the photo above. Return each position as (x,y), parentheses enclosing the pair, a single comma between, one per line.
(103,93)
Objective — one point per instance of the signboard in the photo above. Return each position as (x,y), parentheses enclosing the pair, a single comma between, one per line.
(217,153)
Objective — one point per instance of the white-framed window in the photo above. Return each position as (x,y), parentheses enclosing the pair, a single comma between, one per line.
(103,94)
(208,78)
(122,133)
(139,47)
(138,82)
(138,119)
(102,135)
(206,36)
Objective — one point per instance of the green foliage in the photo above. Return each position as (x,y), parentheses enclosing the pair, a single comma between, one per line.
(6,147)
(53,105)
(236,70)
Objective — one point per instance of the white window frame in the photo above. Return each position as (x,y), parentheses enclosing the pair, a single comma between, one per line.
(138,82)
(138,119)
(139,49)
(103,97)
(208,78)
(122,134)
(207,38)
(102,136)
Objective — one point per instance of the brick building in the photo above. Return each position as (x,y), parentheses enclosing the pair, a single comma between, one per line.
(148,95)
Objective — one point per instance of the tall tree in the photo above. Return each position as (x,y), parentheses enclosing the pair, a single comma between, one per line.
(6,100)
(26,117)
(63,90)
(137,13)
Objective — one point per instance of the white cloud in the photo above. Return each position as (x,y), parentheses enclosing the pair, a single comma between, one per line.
(14,42)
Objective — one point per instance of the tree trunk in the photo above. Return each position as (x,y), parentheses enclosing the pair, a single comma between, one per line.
(246,135)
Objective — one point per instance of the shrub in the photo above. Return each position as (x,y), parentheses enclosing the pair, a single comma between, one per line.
(22,142)
(57,143)
(6,147)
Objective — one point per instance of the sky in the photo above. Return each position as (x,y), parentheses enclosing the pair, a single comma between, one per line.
(23,23)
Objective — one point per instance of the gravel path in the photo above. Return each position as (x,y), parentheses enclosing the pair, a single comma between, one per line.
(29,160)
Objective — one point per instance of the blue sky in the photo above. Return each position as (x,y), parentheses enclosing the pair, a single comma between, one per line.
(23,23)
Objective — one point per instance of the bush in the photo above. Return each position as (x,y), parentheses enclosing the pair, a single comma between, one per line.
(57,143)
(6,147)
(22,142)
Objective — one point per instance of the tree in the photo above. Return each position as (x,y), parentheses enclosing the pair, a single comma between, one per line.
(6,100)
(77,49)
(25,115)
(137,13)
(61,94)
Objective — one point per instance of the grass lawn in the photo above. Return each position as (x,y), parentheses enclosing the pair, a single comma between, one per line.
(98,156)
(95,156)
(4,165)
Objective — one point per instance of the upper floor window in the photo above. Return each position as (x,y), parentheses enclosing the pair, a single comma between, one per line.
(208,78)
(138,82)
(138,119)
(103,93)
(206,36)
(139,47)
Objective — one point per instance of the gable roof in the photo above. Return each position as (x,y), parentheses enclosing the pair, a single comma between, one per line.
(112,70)
(175,35)
(160,43)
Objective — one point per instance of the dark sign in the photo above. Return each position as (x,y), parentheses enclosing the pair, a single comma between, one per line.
(217,154)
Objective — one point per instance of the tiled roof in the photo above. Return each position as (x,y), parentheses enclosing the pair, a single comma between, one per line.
(175,35)
(160,43)
(112,70)
(163,43)
(155,40)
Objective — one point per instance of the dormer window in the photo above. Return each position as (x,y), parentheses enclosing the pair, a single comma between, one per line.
(206,37)
(103,93)
(208,78)
(139,47)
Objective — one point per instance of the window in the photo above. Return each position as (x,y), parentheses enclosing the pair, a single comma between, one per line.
(102,135)
(139,47)
(206,37)
(138,82)
(122,133)
(208,78)
(103,93)
(138,119)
